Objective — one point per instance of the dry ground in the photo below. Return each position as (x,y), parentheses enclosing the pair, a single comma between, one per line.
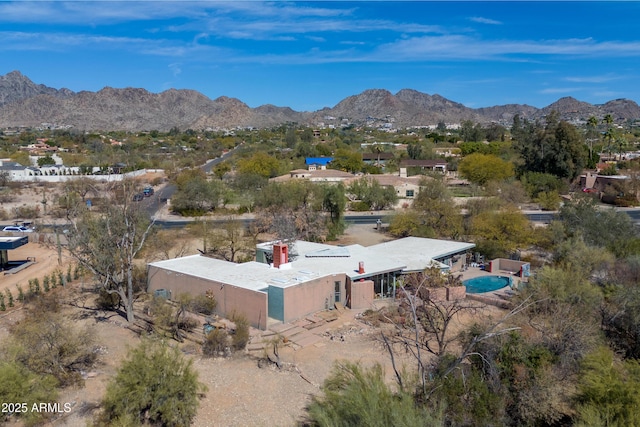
(240,393)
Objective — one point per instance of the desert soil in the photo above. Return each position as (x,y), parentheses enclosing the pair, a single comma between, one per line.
(240,393)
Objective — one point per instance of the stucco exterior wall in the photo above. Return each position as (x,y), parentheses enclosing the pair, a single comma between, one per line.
(313,296)
(360,294)
(231,299)
(506,264)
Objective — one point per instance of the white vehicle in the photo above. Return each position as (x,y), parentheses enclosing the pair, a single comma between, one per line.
(17,229)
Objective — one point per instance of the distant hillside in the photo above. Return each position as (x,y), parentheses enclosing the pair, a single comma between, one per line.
(24,103)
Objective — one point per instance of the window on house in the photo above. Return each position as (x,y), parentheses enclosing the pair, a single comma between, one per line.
(409,193)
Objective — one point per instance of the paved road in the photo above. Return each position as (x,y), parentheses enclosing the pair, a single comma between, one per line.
(543,217)
(153,203)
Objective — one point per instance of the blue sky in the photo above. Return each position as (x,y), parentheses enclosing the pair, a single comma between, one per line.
(310,55)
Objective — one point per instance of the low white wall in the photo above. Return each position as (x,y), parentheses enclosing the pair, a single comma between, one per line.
(63,178)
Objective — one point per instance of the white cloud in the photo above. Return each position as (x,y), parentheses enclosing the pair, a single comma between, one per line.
(175,69)
(593,79)
(554,90)
(466,47)
(482,20)
(608,94)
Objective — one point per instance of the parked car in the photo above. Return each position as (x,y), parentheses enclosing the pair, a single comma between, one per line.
(147,192)
(17,229)
(138,197)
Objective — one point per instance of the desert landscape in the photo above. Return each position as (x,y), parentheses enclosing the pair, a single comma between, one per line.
(242,390)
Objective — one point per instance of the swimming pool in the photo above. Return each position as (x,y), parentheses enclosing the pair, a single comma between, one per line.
(479,285)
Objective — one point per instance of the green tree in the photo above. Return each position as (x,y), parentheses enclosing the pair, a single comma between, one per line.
(46,161)
(501,232)
(334,202)
(290,137)
(606,228)
(221,169)
(307,135)
(260,164)
(608,391)
(471,132)
(198,196)
(347,160)
(482,168)
(539,182)
(155,385)
(549,200)
(558,148)
(372,194)
(433,214)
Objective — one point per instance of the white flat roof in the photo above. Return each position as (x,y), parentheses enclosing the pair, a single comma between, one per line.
(258,276)
(409,254)
(417,252)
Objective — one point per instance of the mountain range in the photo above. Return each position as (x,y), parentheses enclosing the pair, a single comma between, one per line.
(24,103)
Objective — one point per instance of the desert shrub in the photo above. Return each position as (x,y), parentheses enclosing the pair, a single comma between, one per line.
(204,304)
(27,212)
(49,344)
(172,317)
(7,196)
(155,385)
(240,339)
(359,206)
(357,396)
(106,301)
(9,297)
(21,295)
(18,384)
(215,343)
(157,181)
(3,307)
(549,200)
(3,214)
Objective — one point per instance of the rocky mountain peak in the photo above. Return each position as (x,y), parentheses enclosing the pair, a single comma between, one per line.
(15,86)
(24,103)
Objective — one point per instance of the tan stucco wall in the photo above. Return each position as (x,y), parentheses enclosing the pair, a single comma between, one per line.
(506,264)
(360,294)
(231,299)
(313,296)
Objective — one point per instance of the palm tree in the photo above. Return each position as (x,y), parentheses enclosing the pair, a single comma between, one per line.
(592,125)
(609,135)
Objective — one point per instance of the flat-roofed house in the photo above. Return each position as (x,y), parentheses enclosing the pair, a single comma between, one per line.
(288,282)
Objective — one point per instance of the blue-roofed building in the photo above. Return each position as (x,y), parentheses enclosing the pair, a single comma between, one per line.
(317,163)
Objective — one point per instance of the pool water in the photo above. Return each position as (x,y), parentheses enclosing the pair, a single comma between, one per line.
(479,285)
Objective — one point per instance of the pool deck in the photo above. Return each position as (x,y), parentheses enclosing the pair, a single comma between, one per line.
(473,272)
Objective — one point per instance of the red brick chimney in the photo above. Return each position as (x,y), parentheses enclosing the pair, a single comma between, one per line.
(361,267)
(280,254)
